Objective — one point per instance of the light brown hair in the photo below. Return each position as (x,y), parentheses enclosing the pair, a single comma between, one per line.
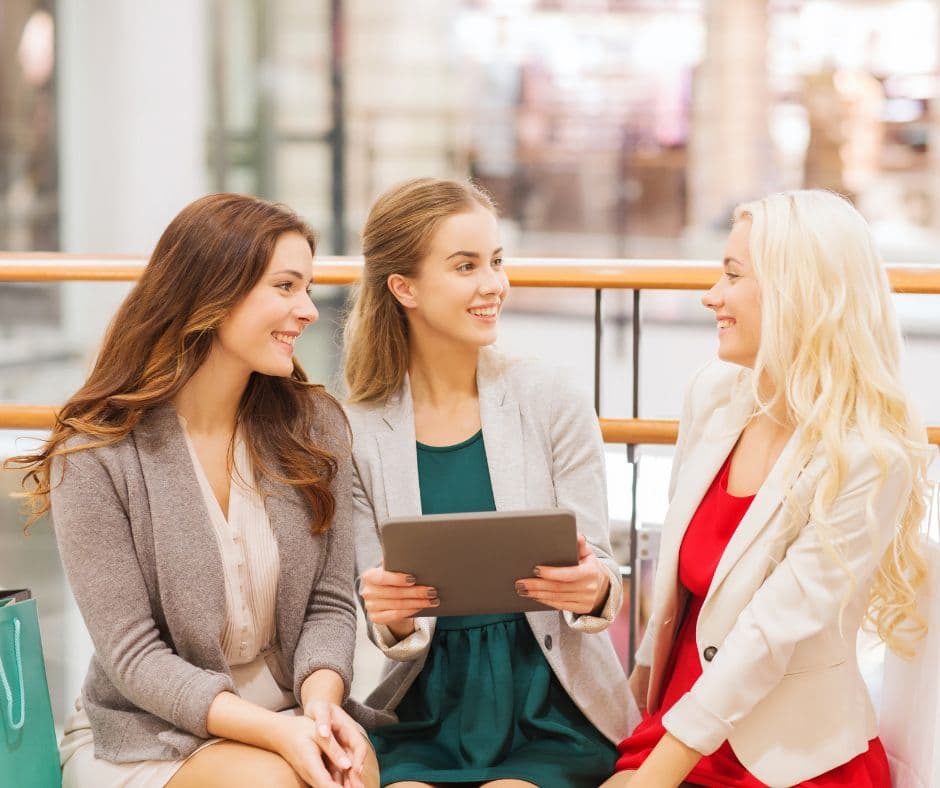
(396,236)
(207,260)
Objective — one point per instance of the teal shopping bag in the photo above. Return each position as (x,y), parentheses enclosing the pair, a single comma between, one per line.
(29,757)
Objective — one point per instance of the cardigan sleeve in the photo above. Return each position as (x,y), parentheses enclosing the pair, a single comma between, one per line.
(100,560)
(328,637)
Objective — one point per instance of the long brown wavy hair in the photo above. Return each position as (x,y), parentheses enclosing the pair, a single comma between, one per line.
(207,260)
(395,238)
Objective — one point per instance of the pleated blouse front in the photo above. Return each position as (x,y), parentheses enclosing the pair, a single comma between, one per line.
(249,558)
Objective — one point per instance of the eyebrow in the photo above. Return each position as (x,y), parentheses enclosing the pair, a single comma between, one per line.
(289,272)
(474,255)
(732,260)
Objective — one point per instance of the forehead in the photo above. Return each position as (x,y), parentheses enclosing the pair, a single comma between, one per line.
(291,252)
(737,246)
(474,230)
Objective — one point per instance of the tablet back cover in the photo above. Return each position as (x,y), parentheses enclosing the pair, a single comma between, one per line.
(475,559)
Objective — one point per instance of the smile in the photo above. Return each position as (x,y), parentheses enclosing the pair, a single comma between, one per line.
(287,339)
(725,323)
(485,311)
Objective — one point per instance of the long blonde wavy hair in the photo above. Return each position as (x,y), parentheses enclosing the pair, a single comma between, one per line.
(395,238)
(830,349)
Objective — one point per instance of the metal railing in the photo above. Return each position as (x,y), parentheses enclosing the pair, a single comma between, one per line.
(597,275)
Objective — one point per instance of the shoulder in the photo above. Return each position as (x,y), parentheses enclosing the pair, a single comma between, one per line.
(329,421)
(364,417)
(535,384)
(714,385)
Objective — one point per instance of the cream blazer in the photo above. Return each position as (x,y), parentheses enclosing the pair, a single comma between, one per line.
(544,450)
(780,681)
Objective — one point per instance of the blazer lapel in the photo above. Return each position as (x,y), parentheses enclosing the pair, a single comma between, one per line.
(503,440)
(398,456)
(188,562)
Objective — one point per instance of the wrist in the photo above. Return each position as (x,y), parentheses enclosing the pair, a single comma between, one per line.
(402,629)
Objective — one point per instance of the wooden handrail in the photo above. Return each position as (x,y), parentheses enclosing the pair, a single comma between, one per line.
(523,272)
(634,431)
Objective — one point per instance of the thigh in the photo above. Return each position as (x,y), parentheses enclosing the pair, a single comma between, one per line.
(508,784)
(232,764)
(409,784)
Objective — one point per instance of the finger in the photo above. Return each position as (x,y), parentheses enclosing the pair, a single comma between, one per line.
(392,616)
(381,577)
(564,574)
(587,585)
(321,714)
(318,773)
(584,550)
(396,593)
(335,753)
(410,608)
(579,608)
(350,736)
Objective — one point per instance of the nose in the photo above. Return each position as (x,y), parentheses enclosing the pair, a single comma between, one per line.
(306,311)
(712,298)
(494,282)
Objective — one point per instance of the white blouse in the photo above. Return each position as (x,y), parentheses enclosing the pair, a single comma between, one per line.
(249,557)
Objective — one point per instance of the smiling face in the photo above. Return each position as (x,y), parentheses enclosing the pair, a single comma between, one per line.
(259,333)
(461,286)
(735,300)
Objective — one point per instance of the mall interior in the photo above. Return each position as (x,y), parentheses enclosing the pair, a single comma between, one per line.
(616,137)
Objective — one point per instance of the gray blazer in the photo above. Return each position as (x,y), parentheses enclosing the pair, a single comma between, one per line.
(145,568)
(544,450)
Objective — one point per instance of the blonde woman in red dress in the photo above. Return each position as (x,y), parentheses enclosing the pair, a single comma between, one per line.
(798,487)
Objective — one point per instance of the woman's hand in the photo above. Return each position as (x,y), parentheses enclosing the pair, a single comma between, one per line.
(319,759)
(393,598)
(343,737)
(578,589)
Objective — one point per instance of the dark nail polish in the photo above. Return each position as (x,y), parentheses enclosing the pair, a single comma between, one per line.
(435,602)
(410,579)
(521,590)
(432,593)
(536,572)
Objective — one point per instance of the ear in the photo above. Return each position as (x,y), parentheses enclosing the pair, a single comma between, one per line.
(402,288)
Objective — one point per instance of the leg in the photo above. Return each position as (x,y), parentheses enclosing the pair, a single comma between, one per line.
(232,765)
(409,784)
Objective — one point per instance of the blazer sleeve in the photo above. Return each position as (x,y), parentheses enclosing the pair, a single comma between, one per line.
(368,555)
(579,475)
(800,598)
(98,553)
(328,637)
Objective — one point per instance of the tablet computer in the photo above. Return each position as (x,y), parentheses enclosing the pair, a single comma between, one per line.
(475,559)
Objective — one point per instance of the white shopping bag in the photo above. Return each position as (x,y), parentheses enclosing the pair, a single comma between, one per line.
(910,707)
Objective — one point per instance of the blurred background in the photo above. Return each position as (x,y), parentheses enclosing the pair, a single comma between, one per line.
(603,128)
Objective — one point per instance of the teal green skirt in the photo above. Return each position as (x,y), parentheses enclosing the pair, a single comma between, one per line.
(487,706)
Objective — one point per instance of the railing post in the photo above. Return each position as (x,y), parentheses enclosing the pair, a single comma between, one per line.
(633,459)
(598,330)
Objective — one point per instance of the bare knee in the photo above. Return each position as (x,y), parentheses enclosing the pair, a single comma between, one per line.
(234,764)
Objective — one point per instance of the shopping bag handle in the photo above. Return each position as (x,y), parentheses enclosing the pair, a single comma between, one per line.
(7,690)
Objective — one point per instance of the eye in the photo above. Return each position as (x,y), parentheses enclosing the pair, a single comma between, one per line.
(310,292)
(732,276)
(497,262)
(465,267)
(285,286)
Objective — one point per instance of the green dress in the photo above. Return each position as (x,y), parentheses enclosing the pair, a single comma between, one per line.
(487,705)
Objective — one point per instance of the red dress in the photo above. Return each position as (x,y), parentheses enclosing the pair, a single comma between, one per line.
(708,534)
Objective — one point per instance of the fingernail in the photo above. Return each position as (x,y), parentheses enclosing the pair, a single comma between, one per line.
(435,602)
(345,763)
(324,730)
(536,572)
(410,579)
(432,593)
(521,590)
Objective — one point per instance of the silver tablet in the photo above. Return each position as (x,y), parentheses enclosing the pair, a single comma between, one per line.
(475,559)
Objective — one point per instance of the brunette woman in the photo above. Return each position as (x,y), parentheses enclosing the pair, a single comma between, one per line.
(200,488)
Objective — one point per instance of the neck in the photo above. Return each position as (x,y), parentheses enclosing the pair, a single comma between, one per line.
(209,400)
(778,413)
(441,376)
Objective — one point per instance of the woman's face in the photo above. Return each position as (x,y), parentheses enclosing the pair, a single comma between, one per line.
(735,300)
(461,286)
(259,333)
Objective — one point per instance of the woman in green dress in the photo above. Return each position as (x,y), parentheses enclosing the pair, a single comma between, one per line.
(442,423)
